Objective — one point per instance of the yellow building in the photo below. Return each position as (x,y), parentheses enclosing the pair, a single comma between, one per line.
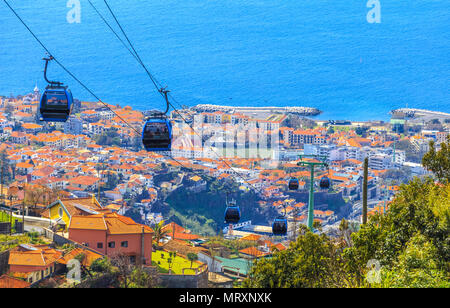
(61,211)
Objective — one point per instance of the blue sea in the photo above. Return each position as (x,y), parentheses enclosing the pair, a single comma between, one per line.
(317,53)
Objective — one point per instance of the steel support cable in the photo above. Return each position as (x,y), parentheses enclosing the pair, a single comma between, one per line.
(76,79)
(65,69)
(156,83)
(92,93)
(158,88)
(112,29)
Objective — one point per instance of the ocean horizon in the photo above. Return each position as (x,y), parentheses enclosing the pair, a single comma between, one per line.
(322,54)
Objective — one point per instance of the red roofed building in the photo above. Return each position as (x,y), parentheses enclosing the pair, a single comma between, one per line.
(18,137)
(112,234)
(33,263)
(24,168)
(253,252)
(178,232)
(84,182)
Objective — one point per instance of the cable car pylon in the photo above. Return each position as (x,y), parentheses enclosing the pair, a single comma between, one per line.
(312,165)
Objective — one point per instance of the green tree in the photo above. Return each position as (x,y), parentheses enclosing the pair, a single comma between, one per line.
(6,164)
(439,161)
(362,131)
(312,261)
(419,208)
(158,231)
(416,267)
(140,278)
(192,257)
(101,265)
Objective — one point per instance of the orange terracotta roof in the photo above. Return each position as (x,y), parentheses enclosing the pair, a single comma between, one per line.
(39,257)
(90,256)
(90,222)
(251,237)
(169,228)
(186,236)
(252,251)
(113,223)
(7,282)
(73,205)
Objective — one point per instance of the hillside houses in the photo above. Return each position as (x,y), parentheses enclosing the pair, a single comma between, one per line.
(68,160)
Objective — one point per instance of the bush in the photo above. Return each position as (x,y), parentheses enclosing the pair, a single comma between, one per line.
(100,265)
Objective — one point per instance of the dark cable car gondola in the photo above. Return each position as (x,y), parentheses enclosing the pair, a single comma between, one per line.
(325,181)
(157,132)
(293,184)
(57,101)
(279,225)
(232,213)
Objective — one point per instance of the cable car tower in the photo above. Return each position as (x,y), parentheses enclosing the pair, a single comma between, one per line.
(317,160)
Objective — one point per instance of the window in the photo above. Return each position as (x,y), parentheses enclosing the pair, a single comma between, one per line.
(85,244)
(60,212)
(99,245)
(124,244)
(112,244)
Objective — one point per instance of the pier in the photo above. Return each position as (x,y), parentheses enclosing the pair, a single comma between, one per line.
(419,114)
(304,111)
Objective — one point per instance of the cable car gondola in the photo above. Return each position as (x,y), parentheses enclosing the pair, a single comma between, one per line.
(57,101)
(325,183)
(279,226)
(157,132)
(293,184)
(232,213)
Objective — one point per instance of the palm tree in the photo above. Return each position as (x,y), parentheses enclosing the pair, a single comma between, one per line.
(192,257)
(158,231)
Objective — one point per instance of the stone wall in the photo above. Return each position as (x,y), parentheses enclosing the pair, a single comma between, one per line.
(185,281)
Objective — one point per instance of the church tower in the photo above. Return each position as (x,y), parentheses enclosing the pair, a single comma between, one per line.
(36,93)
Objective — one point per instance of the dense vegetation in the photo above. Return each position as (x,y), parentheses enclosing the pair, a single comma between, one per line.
(409,246)
(203,212)
(108,138)
(439,161)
